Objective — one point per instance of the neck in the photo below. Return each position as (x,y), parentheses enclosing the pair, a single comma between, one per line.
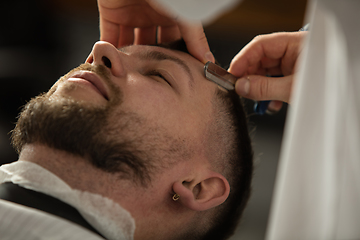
(144,204)
(76,171)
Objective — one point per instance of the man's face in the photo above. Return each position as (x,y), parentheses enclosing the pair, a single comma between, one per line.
(163,86)
(152,101)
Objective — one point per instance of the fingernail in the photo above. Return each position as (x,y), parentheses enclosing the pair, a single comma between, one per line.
(209,57)
(243,86)
(272,106)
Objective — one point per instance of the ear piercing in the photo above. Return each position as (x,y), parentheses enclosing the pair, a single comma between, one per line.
(175,197)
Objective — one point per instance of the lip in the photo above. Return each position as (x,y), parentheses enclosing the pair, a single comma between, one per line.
(94,79)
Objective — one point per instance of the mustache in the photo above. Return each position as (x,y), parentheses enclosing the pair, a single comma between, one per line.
(102,71)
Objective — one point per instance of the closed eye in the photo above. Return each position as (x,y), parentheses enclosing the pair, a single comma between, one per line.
(157,74)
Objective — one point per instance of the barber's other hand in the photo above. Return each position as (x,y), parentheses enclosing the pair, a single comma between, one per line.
(126,22)
(273,54)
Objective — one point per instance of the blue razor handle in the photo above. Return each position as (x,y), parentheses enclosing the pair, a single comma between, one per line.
(261,107)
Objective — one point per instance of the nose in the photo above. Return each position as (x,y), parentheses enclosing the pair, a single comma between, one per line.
(104,53)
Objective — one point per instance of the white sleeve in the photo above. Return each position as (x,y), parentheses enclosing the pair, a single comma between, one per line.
(317,191)
(203,10)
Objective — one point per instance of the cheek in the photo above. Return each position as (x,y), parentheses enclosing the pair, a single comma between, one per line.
(162,107)
(180,114)
(152,99)
(54,87)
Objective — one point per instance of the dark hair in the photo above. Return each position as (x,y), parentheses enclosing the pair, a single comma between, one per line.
(238,167)
(233,137)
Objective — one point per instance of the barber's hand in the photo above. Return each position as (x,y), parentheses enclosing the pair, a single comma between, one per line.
(126,22)
(273,54)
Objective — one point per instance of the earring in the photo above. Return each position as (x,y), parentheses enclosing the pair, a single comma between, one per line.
(175,197)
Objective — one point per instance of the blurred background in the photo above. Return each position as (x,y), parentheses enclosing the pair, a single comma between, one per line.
(42,40)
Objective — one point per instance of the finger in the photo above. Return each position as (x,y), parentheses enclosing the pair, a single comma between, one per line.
(274,107)
(126,36)
(255,69)
(109,32)
(293,50)
(248,60)
(266,67)
(168,34)
(196,41)
(281,46)
(264,88)
(145,36)
(274,72)
(270,62)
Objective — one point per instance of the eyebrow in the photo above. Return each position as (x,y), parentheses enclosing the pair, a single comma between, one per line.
(160,56)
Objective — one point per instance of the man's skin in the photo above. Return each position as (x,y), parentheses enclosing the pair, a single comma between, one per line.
(178,103)
(267,54)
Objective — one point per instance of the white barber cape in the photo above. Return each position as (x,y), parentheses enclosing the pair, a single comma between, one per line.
(317,192)
(20,222)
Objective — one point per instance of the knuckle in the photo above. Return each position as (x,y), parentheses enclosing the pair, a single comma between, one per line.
(259,38)
(263,88)
(202,38)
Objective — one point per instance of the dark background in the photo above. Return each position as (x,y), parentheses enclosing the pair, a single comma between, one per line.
(42,40)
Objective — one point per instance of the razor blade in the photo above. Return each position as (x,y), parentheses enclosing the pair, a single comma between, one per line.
(219,76)
(227,81)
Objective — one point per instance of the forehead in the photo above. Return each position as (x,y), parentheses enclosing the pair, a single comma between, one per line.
(137,49)
(191,65)
(200,86)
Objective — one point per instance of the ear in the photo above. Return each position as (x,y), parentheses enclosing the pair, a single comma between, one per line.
(204,193)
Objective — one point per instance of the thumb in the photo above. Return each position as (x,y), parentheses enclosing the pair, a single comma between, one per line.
(258,87)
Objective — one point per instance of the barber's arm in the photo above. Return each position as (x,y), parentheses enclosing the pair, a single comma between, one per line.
(125,22)
(273,54)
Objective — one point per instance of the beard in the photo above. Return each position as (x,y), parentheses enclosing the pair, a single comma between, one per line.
(112,140)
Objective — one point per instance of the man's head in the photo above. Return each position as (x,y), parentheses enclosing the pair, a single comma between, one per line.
(148,115)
